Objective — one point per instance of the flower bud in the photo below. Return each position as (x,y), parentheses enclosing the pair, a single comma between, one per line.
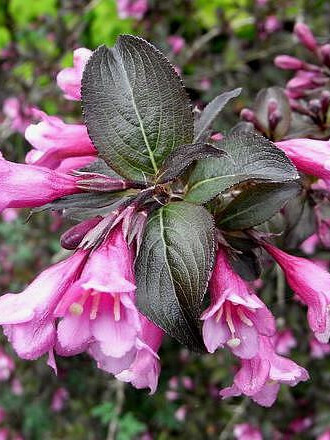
(305,36)
(72,238)
(325,54)
(288,63)
(247,115)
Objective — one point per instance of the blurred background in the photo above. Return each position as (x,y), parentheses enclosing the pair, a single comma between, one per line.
(216,45)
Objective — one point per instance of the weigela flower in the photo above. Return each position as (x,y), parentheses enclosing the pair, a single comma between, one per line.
(310,156)
(54,141)
(28,317)
(27,186)
(7,366)
(260,377)
(69,79)
(246,431)
(236,316)
(132,8)
(311,284)
(318,350)
(284,341)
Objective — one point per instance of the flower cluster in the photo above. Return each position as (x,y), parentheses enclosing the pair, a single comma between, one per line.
(87,302)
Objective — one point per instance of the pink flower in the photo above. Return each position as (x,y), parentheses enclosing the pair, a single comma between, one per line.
(9,215)
(16,387)
(236,316)
(7,366)
(288,62)
(284,341)
(305,36)
(324,436)
(309,245)
(69,79)
(272,24)
(132,8)
(27,186)
(4,433)
(59,399)
(99,307)
(55,141)
(246,431)
(300,424)
(180,413)
(312,286)
(3,414)
(140,366)
(318,349)
(260,377)
(309,155)
(177,43)
(27,317)
(18,114)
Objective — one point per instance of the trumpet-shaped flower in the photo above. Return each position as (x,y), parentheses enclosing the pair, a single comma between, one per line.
(311,284)
(236,316)
(260,377)
(27,186)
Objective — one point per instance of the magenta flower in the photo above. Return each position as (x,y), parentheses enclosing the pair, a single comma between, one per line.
(27,186)
(9,215)
(310,156)
(28,317)
(246,431)
(18,114)
(59,399)
(99,307)
(69,79)
(288,63)
(132,8)
(236,316)
(177,43)
(311,284)
(284,341)
(305,36)
(55,141)
(318,350)
(260,377)
(324,436)
(7,366)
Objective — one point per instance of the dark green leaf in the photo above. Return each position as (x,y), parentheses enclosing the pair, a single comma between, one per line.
(257,205)
(300,220)
(100,166)
(210,113)
(283,106)
(178,161)
(250,158)
(136,109)
(173,269)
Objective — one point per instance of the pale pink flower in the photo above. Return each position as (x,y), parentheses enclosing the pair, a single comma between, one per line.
(177,43)
(246,431)
(324,436)
(260,377)
(4,433)
(309,245)
(312,285)
(54,141)
(310,156)
(16,387)
(284,341)
(27,186)
(18,114)
(59,399)
(9,215)
(132,8)
(236,316)
(180,413)
(7,366)
(171,395)
(272,24)
(318,350)
(28,317)
(144,371)
(99,307)
(69,79)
